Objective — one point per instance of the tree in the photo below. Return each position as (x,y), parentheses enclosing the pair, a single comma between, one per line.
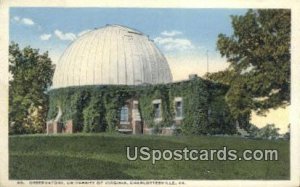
(31,77)
(253,131)
(268,132)
(259,57)
(287,135)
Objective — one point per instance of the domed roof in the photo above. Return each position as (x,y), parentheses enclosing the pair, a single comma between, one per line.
(111,55)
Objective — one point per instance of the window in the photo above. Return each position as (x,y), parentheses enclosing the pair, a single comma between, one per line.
(157,109)
(178,107)
(124,114)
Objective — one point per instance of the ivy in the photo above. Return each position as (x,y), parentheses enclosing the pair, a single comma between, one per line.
(96,108)
(93,115)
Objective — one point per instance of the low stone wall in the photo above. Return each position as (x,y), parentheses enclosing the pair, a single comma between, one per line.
(54,127)
(148,131)
(168,131)
(68,128)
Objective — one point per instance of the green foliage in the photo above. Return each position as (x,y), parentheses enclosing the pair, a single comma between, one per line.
(31,76)
(93,115)
(287,135)
(259,57)
(112,108)
(146,96)
(268,132)
(253,131)
(96,108)
(92,108)
(101,156)
(196,116)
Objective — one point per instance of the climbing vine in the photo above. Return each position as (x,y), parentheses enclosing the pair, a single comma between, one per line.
(96,108)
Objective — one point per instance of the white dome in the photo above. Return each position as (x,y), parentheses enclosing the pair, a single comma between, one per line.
(112,55)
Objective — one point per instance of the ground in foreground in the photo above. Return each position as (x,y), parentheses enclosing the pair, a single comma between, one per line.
(103,156)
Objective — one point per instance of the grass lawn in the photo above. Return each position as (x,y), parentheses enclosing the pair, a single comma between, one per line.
(103,156)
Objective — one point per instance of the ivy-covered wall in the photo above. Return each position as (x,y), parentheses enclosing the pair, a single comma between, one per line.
(96,108)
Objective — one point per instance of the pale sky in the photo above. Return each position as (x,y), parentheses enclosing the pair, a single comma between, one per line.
(183,35)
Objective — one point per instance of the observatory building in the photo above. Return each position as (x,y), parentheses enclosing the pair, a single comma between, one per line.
(112,55)
(115,79)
